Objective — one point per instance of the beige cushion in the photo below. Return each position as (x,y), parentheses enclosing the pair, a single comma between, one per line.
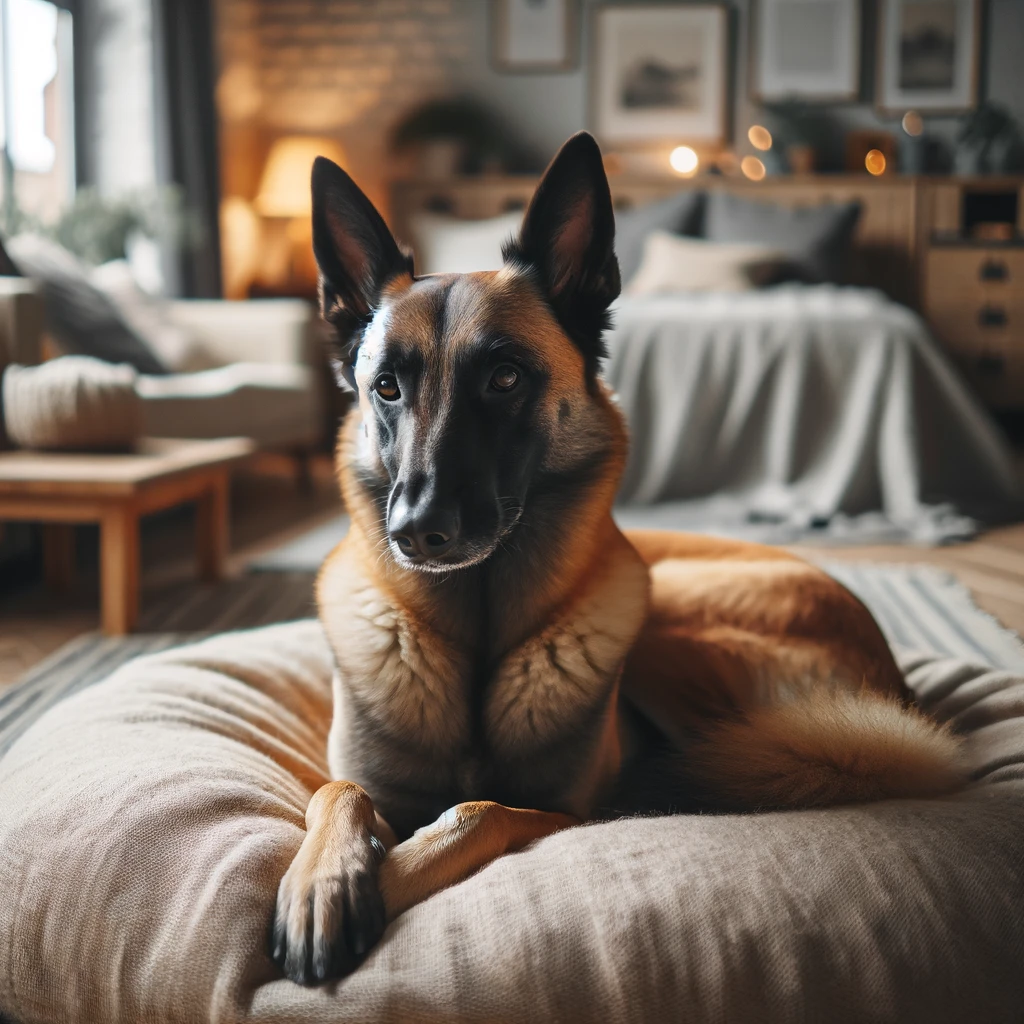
(71,403)
(274,404)
(672,263)
(145,823)
(149,316)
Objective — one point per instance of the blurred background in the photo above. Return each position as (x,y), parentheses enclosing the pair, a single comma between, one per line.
(227,101)
(819,223)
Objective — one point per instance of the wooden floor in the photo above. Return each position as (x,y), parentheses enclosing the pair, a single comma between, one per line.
(268,510)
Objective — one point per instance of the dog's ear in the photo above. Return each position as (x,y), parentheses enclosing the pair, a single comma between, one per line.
(355,252)
(568,241)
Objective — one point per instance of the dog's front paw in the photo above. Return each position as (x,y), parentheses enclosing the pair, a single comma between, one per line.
(329,908)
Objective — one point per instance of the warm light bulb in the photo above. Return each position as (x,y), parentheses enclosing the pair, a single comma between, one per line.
(874,161)
(760,137)
(752,168)
(684,160)
(913,123)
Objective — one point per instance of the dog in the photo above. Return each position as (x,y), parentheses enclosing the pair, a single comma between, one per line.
(508,662)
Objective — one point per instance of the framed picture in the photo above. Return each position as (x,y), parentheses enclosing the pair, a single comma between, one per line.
(534,35)
(805,51)
(659,73)
(928,55)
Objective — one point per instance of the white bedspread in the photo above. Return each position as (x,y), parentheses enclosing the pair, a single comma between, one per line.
(817,409)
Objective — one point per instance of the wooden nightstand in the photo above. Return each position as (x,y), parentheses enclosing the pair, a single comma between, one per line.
(974,302)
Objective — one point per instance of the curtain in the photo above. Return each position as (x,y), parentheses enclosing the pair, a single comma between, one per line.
(186,137)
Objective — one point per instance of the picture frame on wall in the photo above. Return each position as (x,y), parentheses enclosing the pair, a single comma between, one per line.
(928,56)
(534,35)
(659,73)
(802,51)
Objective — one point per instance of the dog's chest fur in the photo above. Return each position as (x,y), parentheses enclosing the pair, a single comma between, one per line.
(421,722)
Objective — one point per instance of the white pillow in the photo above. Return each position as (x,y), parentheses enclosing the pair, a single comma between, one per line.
(673,263)
(449,245)
(148,316)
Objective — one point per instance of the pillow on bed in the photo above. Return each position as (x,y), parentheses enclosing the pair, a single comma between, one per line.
(452,245)
(675,264)
(817,238)
(146,822)
(679,214)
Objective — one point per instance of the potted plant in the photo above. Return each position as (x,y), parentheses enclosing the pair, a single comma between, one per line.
(455,135)
(799,130)
(986,140)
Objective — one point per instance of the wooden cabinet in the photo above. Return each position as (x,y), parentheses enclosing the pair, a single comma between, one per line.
(973,298)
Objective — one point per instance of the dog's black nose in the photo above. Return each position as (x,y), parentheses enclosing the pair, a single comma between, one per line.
(428,535)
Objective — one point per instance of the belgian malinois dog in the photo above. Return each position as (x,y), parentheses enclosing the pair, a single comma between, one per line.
(508,662)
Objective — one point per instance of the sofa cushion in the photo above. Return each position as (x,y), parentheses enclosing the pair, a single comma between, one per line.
(83,320)
(277,405)
(145,824)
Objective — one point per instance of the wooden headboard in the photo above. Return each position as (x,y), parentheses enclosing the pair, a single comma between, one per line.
(886,242)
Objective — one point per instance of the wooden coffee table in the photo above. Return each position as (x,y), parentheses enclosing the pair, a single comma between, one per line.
(61,489)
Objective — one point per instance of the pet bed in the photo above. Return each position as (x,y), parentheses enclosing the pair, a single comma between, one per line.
(145,823)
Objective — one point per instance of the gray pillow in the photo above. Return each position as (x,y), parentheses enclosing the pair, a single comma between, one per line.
(678,214)
(82,319)
(817,238)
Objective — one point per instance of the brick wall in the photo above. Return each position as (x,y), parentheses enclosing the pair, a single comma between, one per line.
(343,68)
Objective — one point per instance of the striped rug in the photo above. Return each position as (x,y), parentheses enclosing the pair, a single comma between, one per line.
(918,607)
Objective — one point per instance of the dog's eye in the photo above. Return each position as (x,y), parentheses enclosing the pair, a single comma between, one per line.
(387,387)
(504,378)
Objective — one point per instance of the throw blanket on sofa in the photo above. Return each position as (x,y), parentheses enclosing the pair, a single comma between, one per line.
(805,406)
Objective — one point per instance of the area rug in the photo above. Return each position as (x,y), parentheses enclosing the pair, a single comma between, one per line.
(717,517)
(918,607)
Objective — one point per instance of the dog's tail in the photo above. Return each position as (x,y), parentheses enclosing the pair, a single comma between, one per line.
(826,747)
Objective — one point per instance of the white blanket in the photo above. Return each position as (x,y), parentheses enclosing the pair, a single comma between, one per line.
(816,408)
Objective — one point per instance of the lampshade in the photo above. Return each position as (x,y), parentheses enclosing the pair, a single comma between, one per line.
(284,187)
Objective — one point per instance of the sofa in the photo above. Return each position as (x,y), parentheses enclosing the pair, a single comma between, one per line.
(246,368)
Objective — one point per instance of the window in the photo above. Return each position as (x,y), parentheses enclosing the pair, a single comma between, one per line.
(37,110)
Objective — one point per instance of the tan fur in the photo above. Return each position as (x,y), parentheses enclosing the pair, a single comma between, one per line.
(779,670)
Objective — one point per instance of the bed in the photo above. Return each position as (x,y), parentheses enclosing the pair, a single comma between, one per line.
(800,410)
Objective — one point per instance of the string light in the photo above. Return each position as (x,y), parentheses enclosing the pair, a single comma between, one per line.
(874,161)
(752,168)
(684,160)
(760,137)
(913,123)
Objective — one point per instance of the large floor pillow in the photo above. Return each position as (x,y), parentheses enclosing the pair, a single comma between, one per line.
(145,823)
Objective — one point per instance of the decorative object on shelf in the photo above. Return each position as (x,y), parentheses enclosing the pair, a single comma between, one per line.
(534,35)
(871,151)
(928,55)
(659,72)
(800,131)
(456,135)
(805,51)
(986,140)
(913,144)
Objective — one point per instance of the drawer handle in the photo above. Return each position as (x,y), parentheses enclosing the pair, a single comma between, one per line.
(994,270)
(992,316)
(990,365)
